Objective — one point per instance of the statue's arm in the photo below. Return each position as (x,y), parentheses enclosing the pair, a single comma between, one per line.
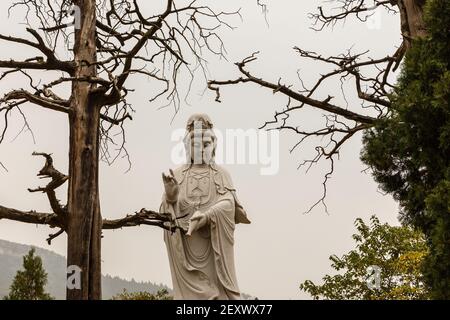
(224,207)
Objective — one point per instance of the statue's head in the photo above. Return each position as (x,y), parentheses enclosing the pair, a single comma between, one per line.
(200,141)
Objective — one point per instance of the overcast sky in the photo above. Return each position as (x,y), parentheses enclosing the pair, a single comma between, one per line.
(282,247)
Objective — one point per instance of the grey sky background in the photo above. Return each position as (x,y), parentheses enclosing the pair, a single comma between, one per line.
(282,247)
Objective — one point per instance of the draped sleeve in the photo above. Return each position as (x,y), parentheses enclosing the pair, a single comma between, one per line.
(224,183)
(221,223)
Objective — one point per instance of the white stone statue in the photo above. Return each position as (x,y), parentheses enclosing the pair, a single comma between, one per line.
(201,196)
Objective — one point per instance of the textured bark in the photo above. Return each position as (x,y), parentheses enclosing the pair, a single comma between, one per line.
(84,225)
(411,17)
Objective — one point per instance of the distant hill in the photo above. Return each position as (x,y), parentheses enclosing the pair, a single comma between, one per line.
(11,260)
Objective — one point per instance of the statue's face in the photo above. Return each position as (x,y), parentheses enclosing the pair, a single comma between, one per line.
(202,147)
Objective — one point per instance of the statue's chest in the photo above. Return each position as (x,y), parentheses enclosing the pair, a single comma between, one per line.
(198,184)
(198,187)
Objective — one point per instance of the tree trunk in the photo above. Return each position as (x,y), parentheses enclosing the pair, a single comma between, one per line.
(411,17)
(84,224)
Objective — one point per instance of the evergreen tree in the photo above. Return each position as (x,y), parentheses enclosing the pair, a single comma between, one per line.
(29,283)
(409,152)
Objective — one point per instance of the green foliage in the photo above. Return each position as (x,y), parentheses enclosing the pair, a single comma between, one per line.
(162,294)
(29,284)
(397,251)
(409,152)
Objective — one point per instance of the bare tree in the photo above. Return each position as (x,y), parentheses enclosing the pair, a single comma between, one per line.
(372,78)
(106,42)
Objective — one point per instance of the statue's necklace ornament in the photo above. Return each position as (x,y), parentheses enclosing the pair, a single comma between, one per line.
(199,187)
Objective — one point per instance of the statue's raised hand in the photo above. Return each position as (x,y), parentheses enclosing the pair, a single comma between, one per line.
(170,186)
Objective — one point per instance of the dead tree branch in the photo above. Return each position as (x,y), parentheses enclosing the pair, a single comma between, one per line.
(59,217)
(372,77)
(130,41)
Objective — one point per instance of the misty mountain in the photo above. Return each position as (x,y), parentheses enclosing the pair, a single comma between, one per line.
(11,255)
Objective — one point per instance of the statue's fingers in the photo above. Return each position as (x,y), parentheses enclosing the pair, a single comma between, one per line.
(173,176)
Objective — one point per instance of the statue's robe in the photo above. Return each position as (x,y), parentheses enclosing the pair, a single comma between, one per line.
(202,265)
